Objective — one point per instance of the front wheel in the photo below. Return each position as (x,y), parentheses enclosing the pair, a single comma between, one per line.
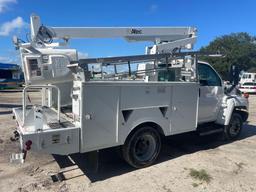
(142,147)
(233,130)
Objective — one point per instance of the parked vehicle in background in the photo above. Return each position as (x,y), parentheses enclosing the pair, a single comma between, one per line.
(248,87)
(10,75)
(247,77)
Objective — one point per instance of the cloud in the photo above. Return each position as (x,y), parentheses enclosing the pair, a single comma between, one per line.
(13,57)
(7,27)
(6,59)
(4,4)
(82,55)
(153,8)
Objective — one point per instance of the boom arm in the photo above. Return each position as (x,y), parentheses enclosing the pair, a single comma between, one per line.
(165,38)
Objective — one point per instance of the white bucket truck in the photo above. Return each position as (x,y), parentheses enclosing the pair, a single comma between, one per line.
(129,101)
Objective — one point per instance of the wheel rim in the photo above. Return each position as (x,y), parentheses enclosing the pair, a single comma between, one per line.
(235,127)
(145,147)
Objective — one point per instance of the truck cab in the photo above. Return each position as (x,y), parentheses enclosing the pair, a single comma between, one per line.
(213,95)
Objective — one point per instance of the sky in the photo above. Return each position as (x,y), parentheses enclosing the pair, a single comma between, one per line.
(212,18)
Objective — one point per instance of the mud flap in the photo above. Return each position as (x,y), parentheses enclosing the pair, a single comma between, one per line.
(92,161)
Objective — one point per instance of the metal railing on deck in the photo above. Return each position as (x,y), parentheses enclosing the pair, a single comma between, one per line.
(24,102)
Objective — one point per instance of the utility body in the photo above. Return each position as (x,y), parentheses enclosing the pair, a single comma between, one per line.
(164,92)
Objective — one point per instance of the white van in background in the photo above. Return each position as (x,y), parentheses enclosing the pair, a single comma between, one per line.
(247,77)
(248,87)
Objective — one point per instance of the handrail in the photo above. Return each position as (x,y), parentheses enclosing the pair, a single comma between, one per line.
(24,103)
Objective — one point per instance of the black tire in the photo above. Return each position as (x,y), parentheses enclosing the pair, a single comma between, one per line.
(233,130)
(142,147)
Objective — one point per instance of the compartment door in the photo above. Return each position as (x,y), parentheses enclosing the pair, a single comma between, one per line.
(184,108)
(100,117)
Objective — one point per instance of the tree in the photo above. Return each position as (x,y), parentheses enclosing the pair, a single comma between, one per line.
(239,49)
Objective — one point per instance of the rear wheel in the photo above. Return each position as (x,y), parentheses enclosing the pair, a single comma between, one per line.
(142,147)
(233,130)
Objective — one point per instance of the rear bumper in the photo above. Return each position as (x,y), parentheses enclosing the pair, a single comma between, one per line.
(62,140)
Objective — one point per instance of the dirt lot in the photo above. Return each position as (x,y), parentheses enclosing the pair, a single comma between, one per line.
(231,166)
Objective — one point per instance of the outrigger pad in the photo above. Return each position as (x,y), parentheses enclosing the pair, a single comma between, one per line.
(17,158)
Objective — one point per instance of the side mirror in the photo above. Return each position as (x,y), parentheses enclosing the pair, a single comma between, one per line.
(234,74)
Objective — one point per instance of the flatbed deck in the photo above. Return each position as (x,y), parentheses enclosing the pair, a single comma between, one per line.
(50,119)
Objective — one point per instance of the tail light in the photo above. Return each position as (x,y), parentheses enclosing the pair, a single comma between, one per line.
(28,144)
(246,95)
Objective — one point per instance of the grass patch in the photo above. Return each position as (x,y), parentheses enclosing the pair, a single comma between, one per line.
(195,184)
(201,175)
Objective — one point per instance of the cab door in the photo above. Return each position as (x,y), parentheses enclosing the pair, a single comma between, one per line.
(210,93)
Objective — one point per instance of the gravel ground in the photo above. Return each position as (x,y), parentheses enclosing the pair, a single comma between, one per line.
(231,166)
